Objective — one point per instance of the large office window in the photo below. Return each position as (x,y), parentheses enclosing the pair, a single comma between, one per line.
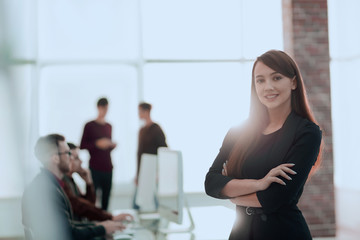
(231,29)
(67,100)
(197,74)
(196,104)
(87,50)
(345,87)
(15,92)
(83,30)
(191,59)
(10,141)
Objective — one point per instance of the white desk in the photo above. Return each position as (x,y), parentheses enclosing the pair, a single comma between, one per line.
(211,223)
(141,234)
(135,230)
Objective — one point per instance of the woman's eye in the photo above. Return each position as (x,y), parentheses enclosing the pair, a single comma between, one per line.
(277,78)
(259,80)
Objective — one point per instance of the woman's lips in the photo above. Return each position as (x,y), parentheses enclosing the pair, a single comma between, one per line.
(271,96)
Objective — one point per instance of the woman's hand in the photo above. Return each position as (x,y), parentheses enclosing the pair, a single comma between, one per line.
(104,143)
(273,176)
(86,175)
(124,217)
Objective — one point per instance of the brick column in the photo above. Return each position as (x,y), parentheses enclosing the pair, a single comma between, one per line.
(306,39)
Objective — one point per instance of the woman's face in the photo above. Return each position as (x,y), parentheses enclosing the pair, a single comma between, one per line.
(273,89)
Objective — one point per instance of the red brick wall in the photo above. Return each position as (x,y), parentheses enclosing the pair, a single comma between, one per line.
(306,39)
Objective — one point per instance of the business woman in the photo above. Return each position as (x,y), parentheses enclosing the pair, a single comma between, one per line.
(263,165)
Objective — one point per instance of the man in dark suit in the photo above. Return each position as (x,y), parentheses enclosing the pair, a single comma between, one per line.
(46,210)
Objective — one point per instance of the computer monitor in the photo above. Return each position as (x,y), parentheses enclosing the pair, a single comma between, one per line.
(146,189)
(170,186)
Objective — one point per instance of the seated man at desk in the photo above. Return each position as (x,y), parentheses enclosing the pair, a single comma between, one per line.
(46,210)
(83,205)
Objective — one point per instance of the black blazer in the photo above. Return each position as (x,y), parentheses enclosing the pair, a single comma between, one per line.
(47,212)
(298,141)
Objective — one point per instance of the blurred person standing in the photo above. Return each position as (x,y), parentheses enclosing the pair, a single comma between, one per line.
(151,137)
(96,139)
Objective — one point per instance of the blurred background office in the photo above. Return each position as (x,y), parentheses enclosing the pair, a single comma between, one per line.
(192,60)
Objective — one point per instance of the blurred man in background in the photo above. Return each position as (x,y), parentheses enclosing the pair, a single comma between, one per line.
(151,137)
(96,139)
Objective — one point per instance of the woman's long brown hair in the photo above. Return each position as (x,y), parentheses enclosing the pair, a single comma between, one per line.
(258,118)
